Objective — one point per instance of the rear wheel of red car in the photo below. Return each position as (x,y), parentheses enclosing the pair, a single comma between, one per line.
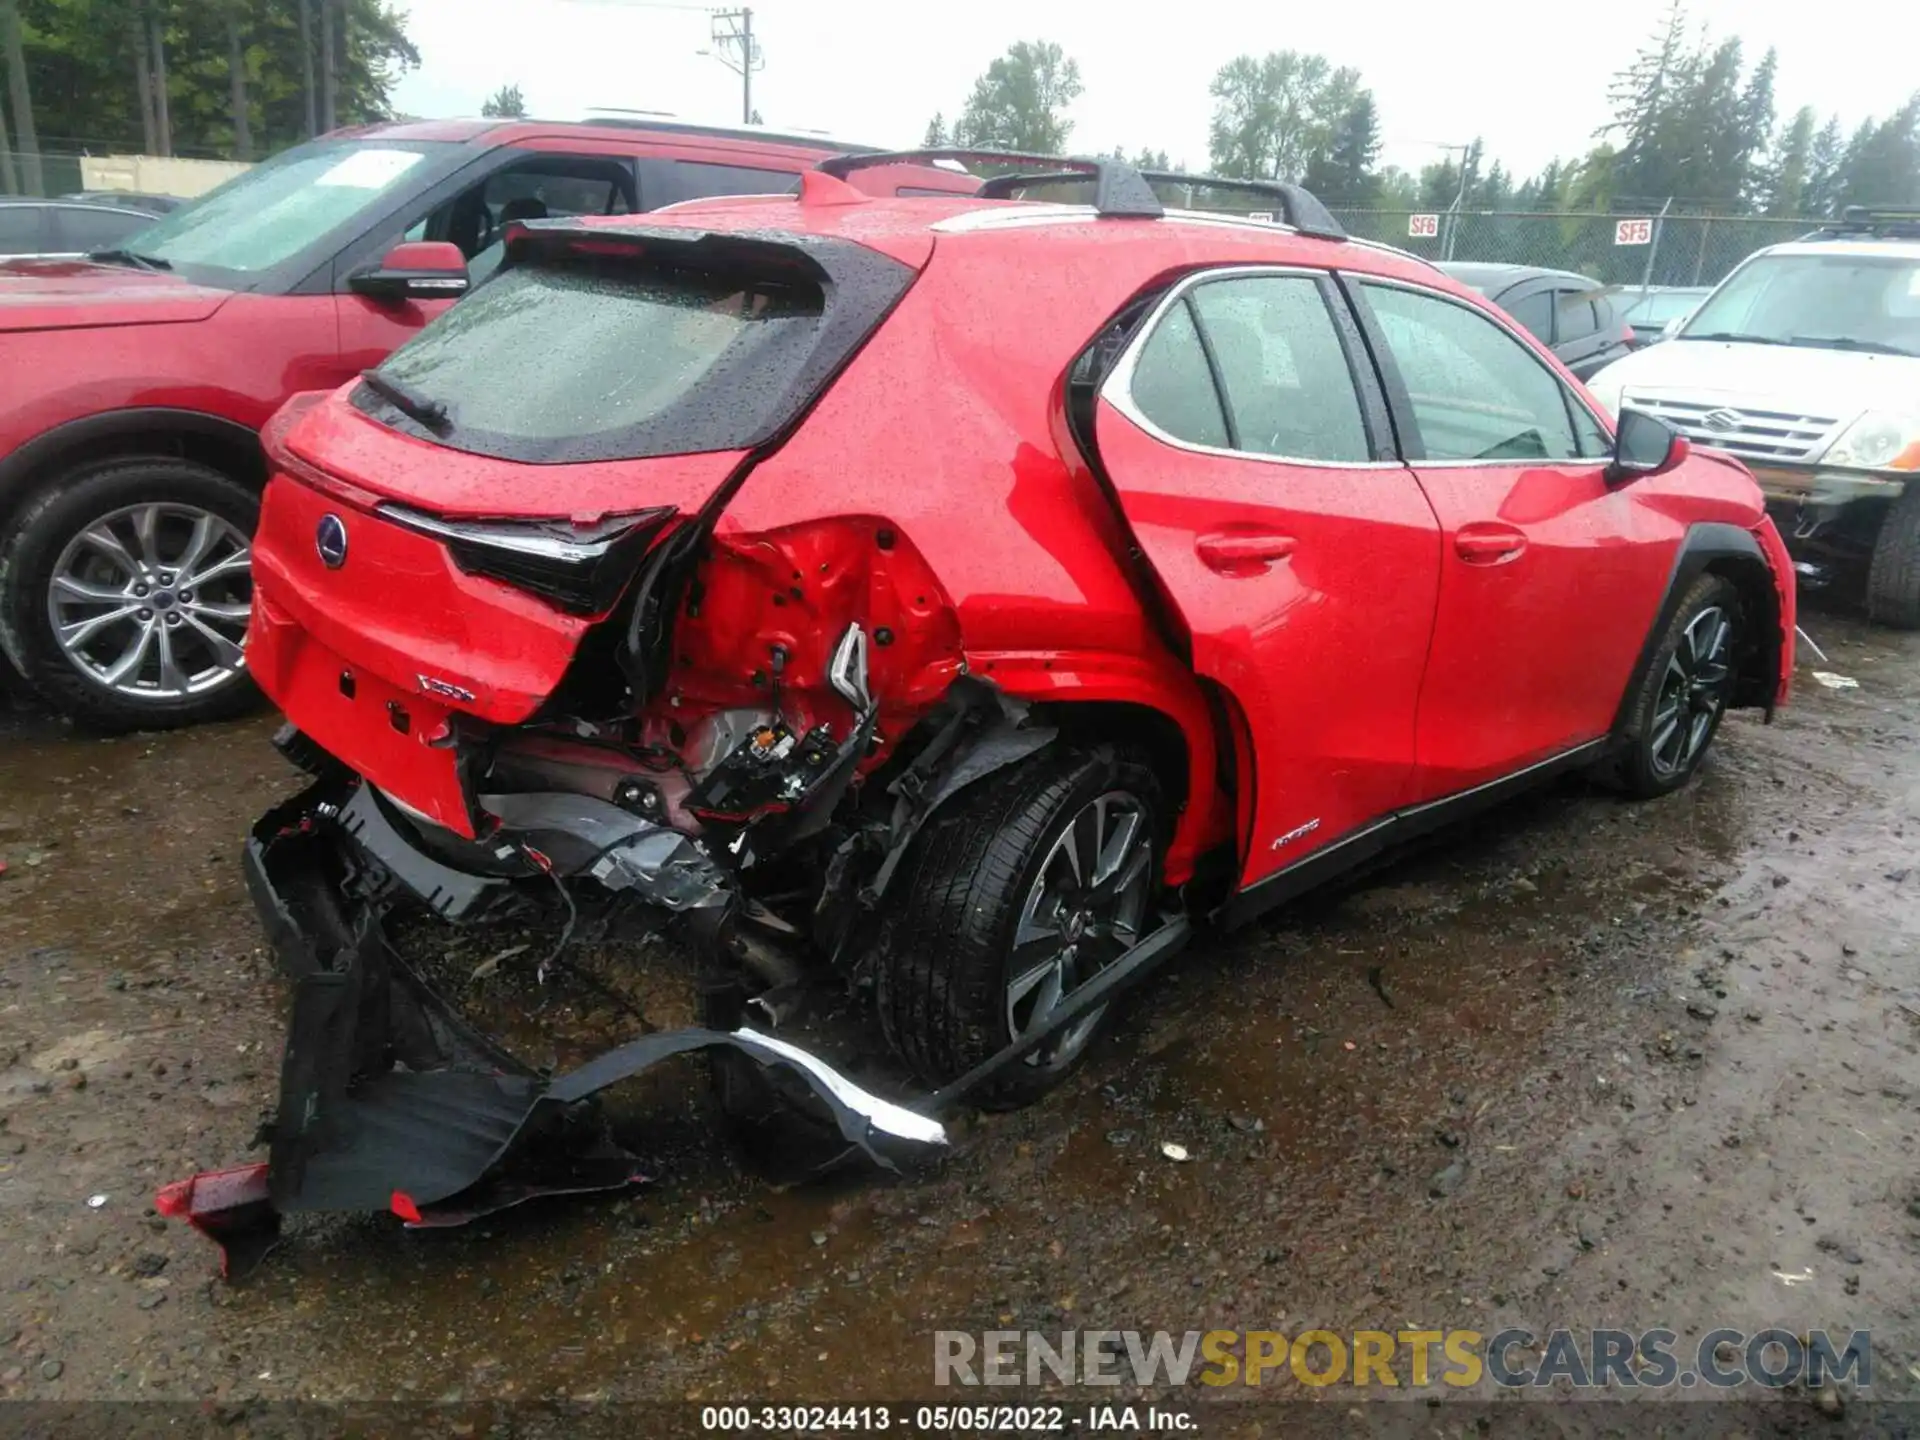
(1683,693)
(125,590)
(1893,580)
(1036,879)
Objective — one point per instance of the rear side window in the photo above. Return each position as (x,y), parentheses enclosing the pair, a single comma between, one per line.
(696,179)
(1172,386)
(1534,314)
(22,229)
(585,359)
(1574,317)
(1285,375)
(78,228)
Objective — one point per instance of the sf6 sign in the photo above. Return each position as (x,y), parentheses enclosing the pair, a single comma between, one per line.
(1422,227)
(1633,232)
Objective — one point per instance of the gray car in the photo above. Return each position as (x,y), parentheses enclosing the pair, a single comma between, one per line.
(64,227)
(1574,315)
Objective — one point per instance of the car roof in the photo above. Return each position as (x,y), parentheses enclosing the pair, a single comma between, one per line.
(1862,245)
(1478,272)
(604,127)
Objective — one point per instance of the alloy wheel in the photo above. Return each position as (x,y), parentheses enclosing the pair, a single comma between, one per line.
(1693,692)
(1085,909)
(151,601)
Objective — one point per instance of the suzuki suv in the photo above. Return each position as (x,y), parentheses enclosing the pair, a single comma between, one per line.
(1805,363)
(137,377)
(937,607)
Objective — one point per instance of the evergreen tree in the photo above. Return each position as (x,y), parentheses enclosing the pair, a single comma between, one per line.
(936,136)
(1882,164)
(506,103)
(1783,187)
(1823,170)
(1650,99)
(1344,173)
(1756,129)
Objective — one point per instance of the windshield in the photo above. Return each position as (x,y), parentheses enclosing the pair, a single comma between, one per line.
(590,359)
(1843,302)
(268,215)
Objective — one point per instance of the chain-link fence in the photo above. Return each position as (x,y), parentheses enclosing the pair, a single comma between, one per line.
(1614,249)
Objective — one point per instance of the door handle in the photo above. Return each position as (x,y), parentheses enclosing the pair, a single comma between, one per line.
(1489,545)
(1242,553)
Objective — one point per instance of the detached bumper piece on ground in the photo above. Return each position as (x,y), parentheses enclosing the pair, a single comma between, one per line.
(389,1101)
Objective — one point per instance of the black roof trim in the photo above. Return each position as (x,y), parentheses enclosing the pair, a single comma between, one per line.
(1864,220)
(1119,188)
(1298,206)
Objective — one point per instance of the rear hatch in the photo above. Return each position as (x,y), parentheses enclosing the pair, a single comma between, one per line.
(438,538)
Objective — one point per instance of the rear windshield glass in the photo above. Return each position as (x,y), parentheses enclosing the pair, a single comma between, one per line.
(606,358)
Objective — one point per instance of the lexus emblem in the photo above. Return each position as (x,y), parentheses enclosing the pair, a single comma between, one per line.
(330,539)
(1721,420)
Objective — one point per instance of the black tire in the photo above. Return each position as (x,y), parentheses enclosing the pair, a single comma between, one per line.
(31,548)
(1893,579)
(1648,763)
(945,952)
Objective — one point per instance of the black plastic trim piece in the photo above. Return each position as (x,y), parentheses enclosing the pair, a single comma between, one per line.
(1703,544)
(1363,844)
(47,447)
(1122,975)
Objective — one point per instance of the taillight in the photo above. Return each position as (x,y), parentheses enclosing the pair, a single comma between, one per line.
(581,569)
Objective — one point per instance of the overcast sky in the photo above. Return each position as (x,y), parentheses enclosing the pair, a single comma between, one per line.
(1529,77)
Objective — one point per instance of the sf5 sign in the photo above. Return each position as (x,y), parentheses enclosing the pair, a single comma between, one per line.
(1633,232)
(1421,227)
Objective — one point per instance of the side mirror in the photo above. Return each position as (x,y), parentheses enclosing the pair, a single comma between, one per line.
(1672,327)
(414,270)
(1643,445)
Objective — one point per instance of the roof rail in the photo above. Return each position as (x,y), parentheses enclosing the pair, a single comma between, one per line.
(1867,220)
(1298,206)
(1118,189)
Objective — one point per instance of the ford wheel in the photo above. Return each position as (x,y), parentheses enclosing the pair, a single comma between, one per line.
(125,591)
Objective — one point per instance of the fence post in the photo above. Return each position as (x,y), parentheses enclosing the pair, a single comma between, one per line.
(1653,246)
(1700,260)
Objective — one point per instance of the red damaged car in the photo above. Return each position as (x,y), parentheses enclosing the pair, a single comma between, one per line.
(947,603)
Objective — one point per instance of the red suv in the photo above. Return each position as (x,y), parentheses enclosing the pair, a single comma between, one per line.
(130,474)
(941,605)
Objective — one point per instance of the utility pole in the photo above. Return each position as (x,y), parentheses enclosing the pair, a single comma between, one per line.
(735,48)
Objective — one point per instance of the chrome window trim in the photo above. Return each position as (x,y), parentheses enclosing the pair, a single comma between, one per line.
(1526,342)
(1117,390)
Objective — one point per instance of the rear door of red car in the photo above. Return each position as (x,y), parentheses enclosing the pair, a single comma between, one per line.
(1247,440)
(1549,575)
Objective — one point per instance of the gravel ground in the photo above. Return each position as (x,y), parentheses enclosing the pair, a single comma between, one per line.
(1584,1064)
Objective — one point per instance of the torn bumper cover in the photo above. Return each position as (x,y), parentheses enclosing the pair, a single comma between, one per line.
(388,1099)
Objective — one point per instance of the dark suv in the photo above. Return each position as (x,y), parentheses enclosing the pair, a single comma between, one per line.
(138,376)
